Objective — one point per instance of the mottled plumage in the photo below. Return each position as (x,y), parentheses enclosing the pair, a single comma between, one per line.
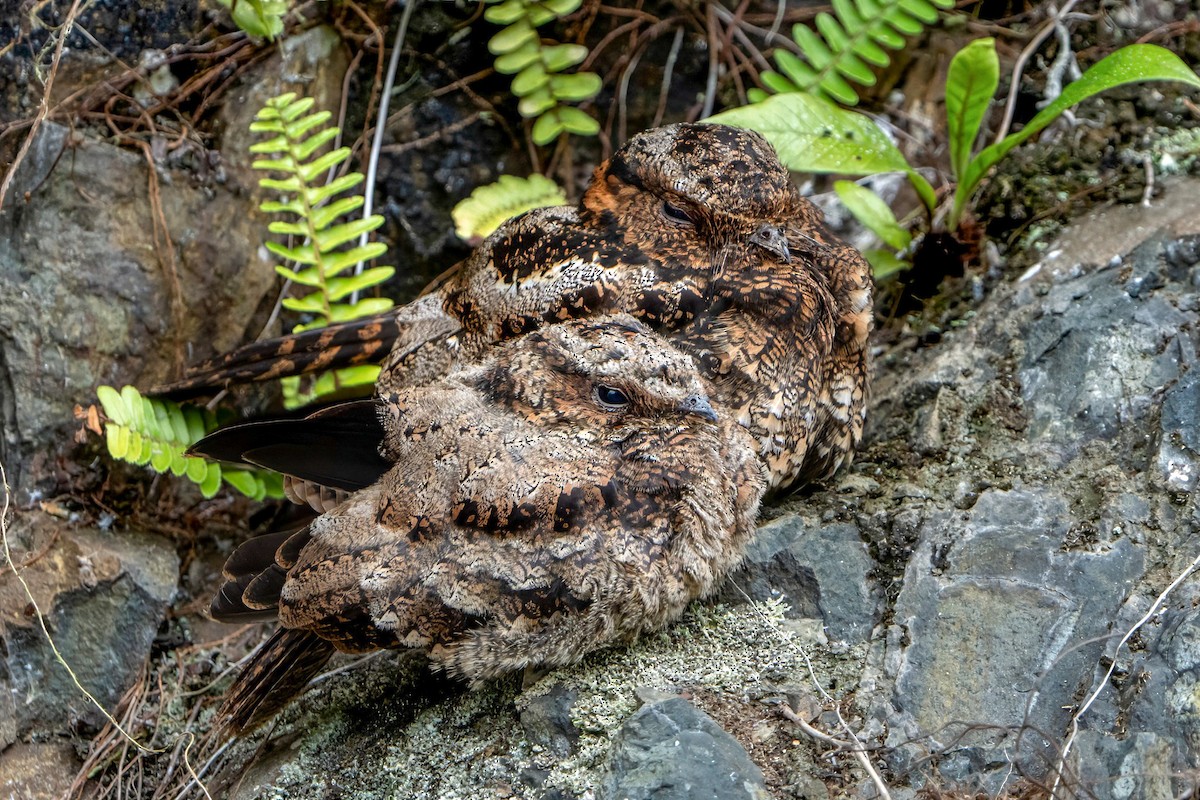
(571,490)
(694,229)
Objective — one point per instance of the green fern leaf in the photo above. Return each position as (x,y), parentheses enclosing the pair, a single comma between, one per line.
(847,44)
(490,205)
(149,431)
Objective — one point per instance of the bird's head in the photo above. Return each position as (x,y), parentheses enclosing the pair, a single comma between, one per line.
(604,377)
(693,193)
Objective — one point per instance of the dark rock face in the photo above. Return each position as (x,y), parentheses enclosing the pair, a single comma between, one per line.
(102,596)
(669,750)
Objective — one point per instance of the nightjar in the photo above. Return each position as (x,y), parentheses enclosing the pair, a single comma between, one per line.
(573,488)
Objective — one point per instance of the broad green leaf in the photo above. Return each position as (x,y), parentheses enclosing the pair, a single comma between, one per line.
(301,254)
(321,217)
(337,262)
(885,263)
(245,482)
(309,304)
(970,86)
(160,456)
(306,277)
(562,7)
(291,111)
(110,401)
(297,129)
(310,145)
(812,134)
(179,426)
(869,209)
(1135,63)
(117,439)
(313,169)
(319,194)
(132,401)
(334,236)
(211,482)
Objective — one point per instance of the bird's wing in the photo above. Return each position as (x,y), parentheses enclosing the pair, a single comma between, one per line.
(361,341)
(337,447)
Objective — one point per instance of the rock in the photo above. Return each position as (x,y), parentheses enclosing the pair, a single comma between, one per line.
(102,596)
(821,570)
(670,750)
(38,771)
(546,720)
(88,294)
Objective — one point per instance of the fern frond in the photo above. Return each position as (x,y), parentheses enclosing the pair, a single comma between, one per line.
(316,216)
(536,66)
(490,205)
(154,432)
(847,45)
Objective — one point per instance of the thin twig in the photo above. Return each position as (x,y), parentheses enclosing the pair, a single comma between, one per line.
(668,69)
(1112,665)
(44,106)
(710,86)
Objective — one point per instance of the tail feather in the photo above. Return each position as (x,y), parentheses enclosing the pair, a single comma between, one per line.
(360,341)
(275,674)
(337,447)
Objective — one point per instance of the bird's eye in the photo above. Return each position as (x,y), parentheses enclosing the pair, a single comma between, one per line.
(676,214)
(611,399)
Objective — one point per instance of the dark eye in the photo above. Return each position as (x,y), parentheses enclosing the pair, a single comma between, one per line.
(676,214)
(611,399)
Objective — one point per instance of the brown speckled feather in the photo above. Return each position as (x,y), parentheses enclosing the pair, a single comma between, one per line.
(531,516)
(694,229)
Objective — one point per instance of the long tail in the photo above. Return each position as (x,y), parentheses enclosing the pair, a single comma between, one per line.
(276,673)
(360,341)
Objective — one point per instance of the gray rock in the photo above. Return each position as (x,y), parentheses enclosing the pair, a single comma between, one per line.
(89,296)
(102,596)
(821,570)
(670,750)
(1179,451)
(546,720)
(990,600)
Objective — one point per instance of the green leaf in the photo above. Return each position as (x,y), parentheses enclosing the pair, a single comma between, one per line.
(492,204)
(296,130)
(1135,63)
(320,164)
(317,195)
(211,482)
(337,288)
(970,86)
(869,209)
(519,59)
(512,38)
(110,401)
(530,79)
(505,13)
(558,57)
(812,134)
(575,87)
(293,110)
(536,104)
(336,235)
(309,304)
(561,8)
(301,254)
(547,128)
(245,482)
(885,263)
(321,217)
(578,122)
(307,277)
(337,262)
(303,150)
